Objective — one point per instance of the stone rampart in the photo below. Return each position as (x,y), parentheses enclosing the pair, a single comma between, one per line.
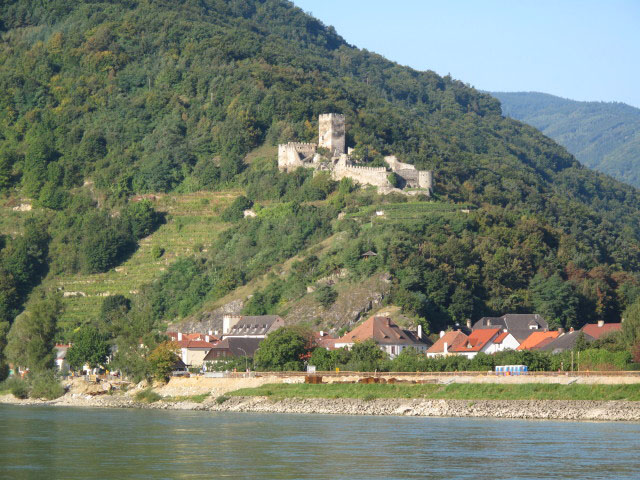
(376,176)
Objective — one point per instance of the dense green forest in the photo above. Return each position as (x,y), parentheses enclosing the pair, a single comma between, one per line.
(602,135)
(100,101)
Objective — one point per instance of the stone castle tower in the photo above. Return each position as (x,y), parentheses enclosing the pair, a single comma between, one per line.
(331,133)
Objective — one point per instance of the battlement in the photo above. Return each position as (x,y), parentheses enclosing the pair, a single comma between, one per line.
(298,145)
(366,169)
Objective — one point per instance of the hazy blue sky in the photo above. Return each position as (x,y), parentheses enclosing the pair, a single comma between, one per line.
(578,49)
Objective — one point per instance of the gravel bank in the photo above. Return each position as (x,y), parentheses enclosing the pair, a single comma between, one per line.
(521,409)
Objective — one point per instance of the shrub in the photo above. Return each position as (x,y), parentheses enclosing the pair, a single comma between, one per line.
(156,252)
(326,295)
(235,211)
(147,396)
(46,385)
(18,387)
(221,399)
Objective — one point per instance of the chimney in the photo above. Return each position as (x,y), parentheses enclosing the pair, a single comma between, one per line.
(488,322)
(441,333)
(446,348)
(420,331)
(179,336)
(215,332)
(210,332)
(206,338)
(561,330)
(388,322)
(571,330)
(468,323)
(600,323)
(322,333)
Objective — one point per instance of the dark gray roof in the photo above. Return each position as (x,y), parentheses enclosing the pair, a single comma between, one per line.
(257,325)
(564,342)
(234,346)
(517,324)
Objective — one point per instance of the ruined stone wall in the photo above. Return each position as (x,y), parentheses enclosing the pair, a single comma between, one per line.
(365,175)
(291,155)
(396,165)
(331,133)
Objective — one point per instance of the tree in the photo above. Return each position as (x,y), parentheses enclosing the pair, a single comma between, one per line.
(31,338)
(367,355)
(4,368)
(282,349)
(631,324)
(554,299)
(90,347)
(163,359)
(235,211)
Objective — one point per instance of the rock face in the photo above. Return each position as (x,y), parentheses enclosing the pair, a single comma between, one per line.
(351,305)
(211,320)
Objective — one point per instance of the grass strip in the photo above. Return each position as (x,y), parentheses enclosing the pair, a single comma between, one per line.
(454,391)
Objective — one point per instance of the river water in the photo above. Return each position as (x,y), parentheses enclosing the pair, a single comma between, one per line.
(75,443)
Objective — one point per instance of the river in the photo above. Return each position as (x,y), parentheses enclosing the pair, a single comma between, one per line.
(76,443)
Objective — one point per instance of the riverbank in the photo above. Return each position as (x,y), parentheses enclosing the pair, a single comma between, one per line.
(387,403)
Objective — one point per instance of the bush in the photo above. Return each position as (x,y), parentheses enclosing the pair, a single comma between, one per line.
(235,211)
(147,396)
(46,385)
(156,252)
(18,387)
(326,295)
(221,399)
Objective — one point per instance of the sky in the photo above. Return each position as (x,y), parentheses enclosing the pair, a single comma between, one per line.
(577,49)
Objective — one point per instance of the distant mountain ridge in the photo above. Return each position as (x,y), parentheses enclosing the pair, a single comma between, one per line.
(604,136)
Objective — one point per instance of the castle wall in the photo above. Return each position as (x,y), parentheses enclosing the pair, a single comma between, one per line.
(331,133)
(292,154)
(376,176)
(396,165)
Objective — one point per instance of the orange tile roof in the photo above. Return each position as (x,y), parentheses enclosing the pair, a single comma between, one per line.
(536,338)
(477,340)
(195,344)
(596,332)
(452,339)
(500,337)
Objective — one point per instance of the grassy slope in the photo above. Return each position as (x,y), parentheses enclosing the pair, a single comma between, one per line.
(474,391)
(192,220)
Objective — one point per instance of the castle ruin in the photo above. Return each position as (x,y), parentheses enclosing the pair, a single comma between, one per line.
(331,136)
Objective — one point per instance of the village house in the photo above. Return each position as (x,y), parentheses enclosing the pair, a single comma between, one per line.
(230,347)
(517,324)
(448,340)
(600,329)
(390,337)
(485,340)
(250,326)
(61,357)
(565,341)
(193,346)
(538,339)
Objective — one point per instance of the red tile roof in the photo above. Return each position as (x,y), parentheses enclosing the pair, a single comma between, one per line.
(195,344)
(477,340)
(383,331)
(596,331)
(533,340)
(452,339)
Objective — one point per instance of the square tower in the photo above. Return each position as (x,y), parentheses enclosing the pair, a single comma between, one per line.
(331,133)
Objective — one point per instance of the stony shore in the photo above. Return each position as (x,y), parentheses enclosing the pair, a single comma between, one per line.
(517,409)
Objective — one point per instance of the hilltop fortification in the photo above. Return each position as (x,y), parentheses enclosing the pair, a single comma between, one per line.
(331,136)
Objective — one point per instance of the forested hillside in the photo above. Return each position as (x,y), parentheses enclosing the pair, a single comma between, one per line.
(604,136)
(103,101)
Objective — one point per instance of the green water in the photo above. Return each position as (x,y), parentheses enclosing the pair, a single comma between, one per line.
(65,443)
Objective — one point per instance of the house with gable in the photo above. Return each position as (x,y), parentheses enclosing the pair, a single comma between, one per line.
(390,337)
(600,329)
(517,324)
(485,340)
(193,346)
(442,347)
